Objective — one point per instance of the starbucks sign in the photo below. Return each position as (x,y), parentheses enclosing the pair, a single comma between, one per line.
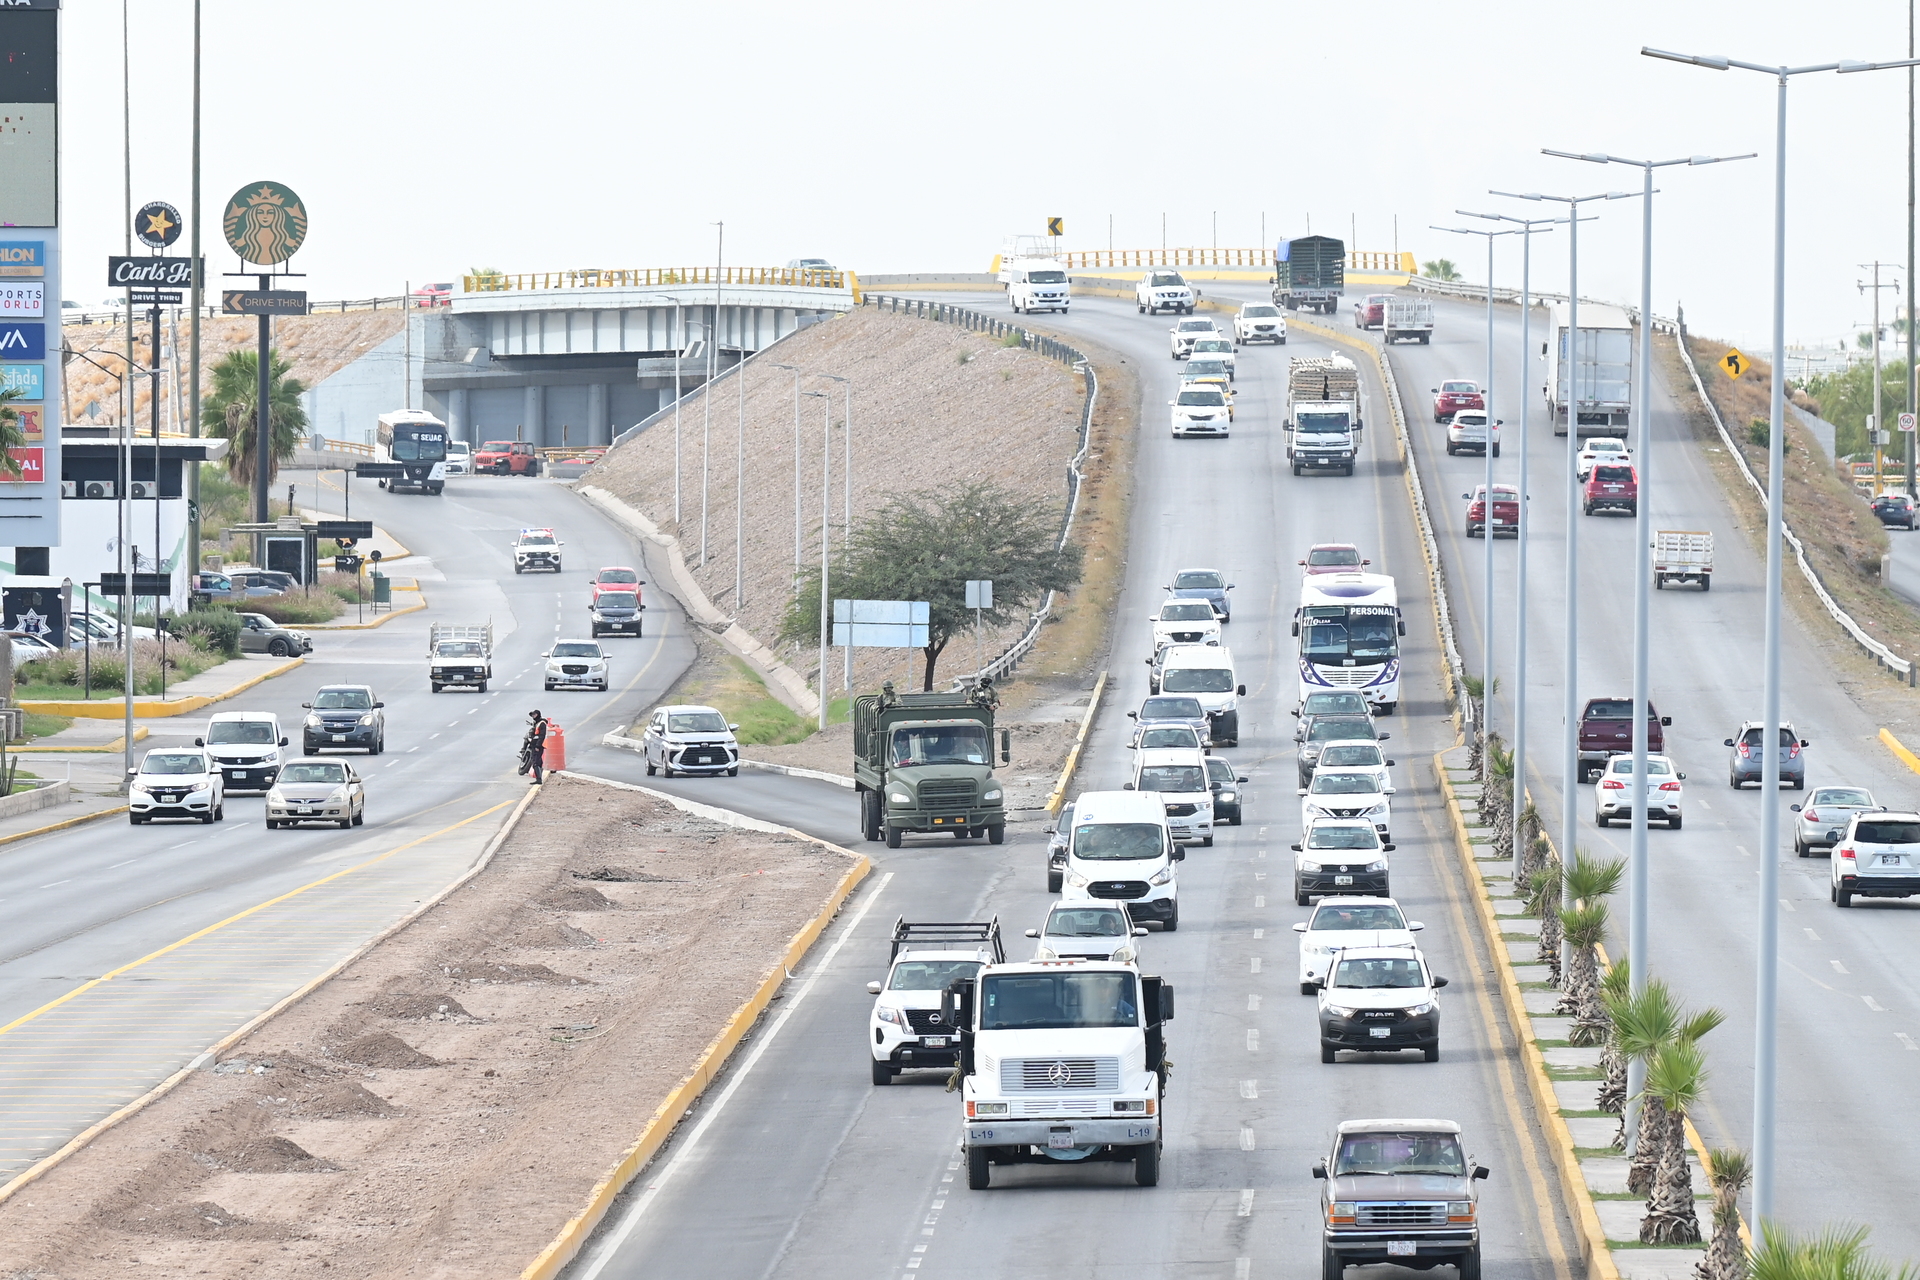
(265,223)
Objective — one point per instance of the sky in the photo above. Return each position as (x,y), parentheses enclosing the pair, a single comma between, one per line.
(427,137)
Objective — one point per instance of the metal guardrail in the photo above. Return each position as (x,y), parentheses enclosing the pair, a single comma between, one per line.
(358,448)
(1880,652)
(654,277)
(1478,293)
(1357,260)
(386,302)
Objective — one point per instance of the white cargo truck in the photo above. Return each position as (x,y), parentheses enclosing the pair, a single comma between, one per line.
(1405,319)
(1598,374)
(1682,555)
(1323,414)
(459,655)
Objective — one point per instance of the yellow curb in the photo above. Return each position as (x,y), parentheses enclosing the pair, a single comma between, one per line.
(115,708)
(565,1246)
(1059,796)
(61,825)
(1899,749)
(140,732)
(380,621)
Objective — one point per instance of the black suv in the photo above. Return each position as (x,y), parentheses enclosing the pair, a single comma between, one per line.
(1895,509)
(345,716)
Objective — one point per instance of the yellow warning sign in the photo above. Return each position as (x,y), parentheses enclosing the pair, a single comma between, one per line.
(1056,226)
(1733,364)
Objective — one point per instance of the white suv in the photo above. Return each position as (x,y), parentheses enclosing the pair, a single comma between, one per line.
(245,746)
(1879,857)
(1160,291)
(1179,774)
(1185,621)
(1182,336)
(1260,322)
(1349,793)
(176,783)
(1467,433)
(688,739)
(1349,922)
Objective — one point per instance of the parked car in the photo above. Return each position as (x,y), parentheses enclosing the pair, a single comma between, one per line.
(1342,857)
(1210,585)
(459,458)
(1380,1000)
(1088,931)
(1896,510)
(1878,857)
(176,782)
(261,634)
(690,740)
(1601,449)
(1746,760)
(1606,730)
(1260,322)
(1467,433)
(1825,815)
(1339,923)
(1612,488)
(224,586)
(1226,786)
(1506,510)
(28,647)
(1613,793)
(1333,557)
(345,716)
(326,791)
(1455,394)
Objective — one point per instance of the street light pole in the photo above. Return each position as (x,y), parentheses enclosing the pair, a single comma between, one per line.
(1767,976)
(826,531)
(846,516)
(1638,868)
(797,539)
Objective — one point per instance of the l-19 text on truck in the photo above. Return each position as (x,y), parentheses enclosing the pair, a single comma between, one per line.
(923,762)
(1309,272)
(1349,630)
(1598,374)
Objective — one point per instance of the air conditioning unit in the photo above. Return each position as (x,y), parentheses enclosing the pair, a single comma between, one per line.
(144,489)
(97,489)
(69,488)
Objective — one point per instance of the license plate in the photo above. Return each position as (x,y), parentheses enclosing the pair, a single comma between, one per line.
(1401,1248)
(1890,860)
(306,812)
(339,737)
(1060,1139)
(1380,1033)
(1343,879)
(935,1042)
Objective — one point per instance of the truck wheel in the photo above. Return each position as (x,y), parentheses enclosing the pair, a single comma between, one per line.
(1331,1267)
(1496,451)
(1296,468)
(979,1172)
(436,687)
(1659,582)
(870,814)
(893,837)
(1706,582)
(481,687)
(1146,1165)
(960,833)
(1053,881)
(650,768)
(1431,1053)
(1173,920)
(997,834)
(1469,1265)
(882,1073)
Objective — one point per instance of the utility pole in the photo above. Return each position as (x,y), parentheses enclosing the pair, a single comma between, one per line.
(1879,419)
(196,297)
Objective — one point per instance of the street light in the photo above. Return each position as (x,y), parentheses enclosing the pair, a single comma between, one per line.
(795,371)
(1637,868)
(826,529)
(1570,704)
(1766,986)
(1486,527)
(846,469)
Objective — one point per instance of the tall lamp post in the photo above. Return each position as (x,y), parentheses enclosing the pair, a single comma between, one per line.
(826,531)
(1637,868)
(846,477)
(1767,978)
(797,539)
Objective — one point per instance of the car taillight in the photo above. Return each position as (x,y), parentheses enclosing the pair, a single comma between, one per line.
(1669,786)
(1811,815)
(1744,751)
(1793,749)
(1844,853)
(1613,784)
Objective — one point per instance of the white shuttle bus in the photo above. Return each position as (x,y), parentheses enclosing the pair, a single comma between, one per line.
(1349,630)
(417,441)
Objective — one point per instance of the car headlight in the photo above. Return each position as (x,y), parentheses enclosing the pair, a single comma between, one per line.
(1378,865)
(1377,810)
(888,1014)
(1228,796)
(1341,1011)
(1419,1009)
(989,1108)
(1077,880)
(1046,953)
(314,722)
(274,797)
(1309,866)
(137,785)
(991,795)
(899,797)
(367,718)
(1125,955)
(1164,876)
(1459,1208)
(1319,811)
(339,796)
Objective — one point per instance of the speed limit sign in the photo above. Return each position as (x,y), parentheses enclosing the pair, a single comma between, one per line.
(1906,422)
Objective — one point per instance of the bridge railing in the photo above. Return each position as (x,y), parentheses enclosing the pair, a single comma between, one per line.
(1258,259)
(655,277)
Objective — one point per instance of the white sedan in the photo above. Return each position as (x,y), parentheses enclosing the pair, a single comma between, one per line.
(1201,411)
(1602,449)
(1339,923)
(1260,322)
(1348,793)
(327,791)
(1613,793)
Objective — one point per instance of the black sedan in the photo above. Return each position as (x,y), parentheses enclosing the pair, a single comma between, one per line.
(1225,785)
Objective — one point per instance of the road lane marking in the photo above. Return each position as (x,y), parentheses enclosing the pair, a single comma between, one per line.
(130,861)
(1246,1139)
(1811,935)
(1837,966)
(1242,1268)
(1743,851)
(1249,1088)
(1259,899)
(1253,1003)
(1246,1202)
(1906,1040)
(1253,1039)
(1788,904)
(57,883)
(1255,969)
(1259,933)
(1873,1004)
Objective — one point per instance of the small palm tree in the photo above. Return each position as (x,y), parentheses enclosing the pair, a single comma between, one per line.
(1585,928)
(1615,988)
(1645,1024)
(1543,900)
(1728,1171)
(229,412)
(1440,269)
(1497,795)
(1838,1253)
(1677,1076)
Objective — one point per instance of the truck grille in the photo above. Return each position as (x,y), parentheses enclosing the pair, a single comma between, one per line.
(1186,637)
(1059,1107)
(947,793)
(927,1022)
(1097,1075)
(1348,676)
(1117,889)
(1402,1215)
(1180,810)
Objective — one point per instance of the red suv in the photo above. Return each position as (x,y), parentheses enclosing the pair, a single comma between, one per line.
(1453,395)
(506,458)
(1371,311)
(1506,509)
(1612,488)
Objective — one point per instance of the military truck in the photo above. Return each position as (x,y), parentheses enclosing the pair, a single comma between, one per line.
(923,762)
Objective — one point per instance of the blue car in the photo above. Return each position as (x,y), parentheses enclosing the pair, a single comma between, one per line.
(1204,584)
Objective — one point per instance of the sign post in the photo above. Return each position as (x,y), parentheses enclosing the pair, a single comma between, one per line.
(265,224)
(979,597)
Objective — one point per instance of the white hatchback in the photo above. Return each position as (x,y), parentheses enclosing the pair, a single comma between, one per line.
(1601,449)
(174,782)
(1182,336)
(1613,793)
(1338,923)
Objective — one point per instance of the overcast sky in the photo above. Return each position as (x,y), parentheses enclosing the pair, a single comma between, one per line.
(427,137)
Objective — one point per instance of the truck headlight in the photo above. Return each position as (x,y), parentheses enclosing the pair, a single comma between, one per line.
(1341,1011)
(991,795)
(1319,811)
(1344,1209)
(367,719)
(314,722)
(1125,955)
(1165,876)
(1419,1009)
(1228,796)
(988,1108)
(1136,1105)
(899,797)
(1459,1208)
(1377,810)
(1045,953)
(1309,866)
(886,1013)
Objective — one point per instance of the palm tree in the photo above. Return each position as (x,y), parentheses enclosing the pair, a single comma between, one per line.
(1496,795)
(1838,1253)
(1677,1076)
(229,412)
(1645,1024)
(1614,989)
(1588,882)
(12,434)
(1543,900)
(1440,269)
(1728,1170)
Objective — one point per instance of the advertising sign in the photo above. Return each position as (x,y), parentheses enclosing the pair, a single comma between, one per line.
(150,273)
(22,341)
(32,464)
(23,298)
(31,379)
(23,258)
(33,421)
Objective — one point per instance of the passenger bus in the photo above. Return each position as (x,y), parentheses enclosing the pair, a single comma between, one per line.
(417,440)
(1349,627)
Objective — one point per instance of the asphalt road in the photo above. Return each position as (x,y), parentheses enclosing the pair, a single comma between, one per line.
(796,1165)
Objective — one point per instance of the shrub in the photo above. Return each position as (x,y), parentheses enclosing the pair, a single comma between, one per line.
(106,672)
(1759,433)
(293,608)
(217,629)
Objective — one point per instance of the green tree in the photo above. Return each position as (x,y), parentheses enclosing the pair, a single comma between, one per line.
(12,434)
(1838,1253)
(1440,269)
(926,546)
(1728,1172)
(1846,400)
(1677,1077)
(1543,900)
(485,278)
(228,411)
(1589,882)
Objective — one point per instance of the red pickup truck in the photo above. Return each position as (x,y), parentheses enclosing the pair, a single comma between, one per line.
(1606,730)
(506,458)
(1612,487)
(1506,510)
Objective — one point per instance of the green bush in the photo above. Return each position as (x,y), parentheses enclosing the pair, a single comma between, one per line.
(61,674)
(293,608)
(1759,433)
(216,629)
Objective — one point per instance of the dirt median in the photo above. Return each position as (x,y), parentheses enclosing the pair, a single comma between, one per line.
(445,1105)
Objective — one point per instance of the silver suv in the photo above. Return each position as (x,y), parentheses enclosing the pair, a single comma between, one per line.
(1747,757)
(1879,857)
(689,739)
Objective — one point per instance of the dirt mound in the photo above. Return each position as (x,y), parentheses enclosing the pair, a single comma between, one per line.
(553,935)
(414,1007)
(336,1099)
(476,971)
(578,897)
(201,1220)
(623,875)
(270,1154)
(384,1049)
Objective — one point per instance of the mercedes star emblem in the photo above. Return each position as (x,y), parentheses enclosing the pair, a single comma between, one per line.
(1059,1073)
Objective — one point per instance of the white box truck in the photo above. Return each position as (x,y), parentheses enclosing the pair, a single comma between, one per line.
(1599,373)
(1405,319)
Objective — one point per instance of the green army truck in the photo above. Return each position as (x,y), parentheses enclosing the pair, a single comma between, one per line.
(923,762)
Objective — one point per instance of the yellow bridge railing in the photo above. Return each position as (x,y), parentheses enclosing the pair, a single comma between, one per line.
(654,277)
(1259,259)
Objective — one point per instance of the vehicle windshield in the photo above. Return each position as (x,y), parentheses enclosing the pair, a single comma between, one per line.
(1207,399)
(1354,753)
(174,762)
(1344,784)
(1320,423)
(1612,709)
(1172,777)
(1325,556)
(576,649)
(536,539)
(617,575)
(1336,704)
(696,722)
(1655,768)
(314,771)
(1197,680)
(1088,922)
(941,744)
(1332,728)
(496,446)
(1343,838)
(460,447)
(1459,389)
(1181,611)
(421,446)
(1219,770)
(1396,1153)
(1613,473)
(1171,709)
(1259,312)
(343,700)
(1205,369)
(253,733)
(1046,277)
(1165,279)
(1880,831)
(1195,326)
(1199,580)
(1606,446)
(1213,344)
(1118,841)
(1470,418)
(1170,735)
(1333,919)
(460,649)
(930,975)
(617,600)
(1752,737)
(1378,974)
(1840,796)
(1027,1001)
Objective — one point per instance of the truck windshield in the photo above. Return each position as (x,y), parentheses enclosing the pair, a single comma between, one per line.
(930,975)
(1378,974)
(696,722)
(1333,641)
(1321,557)
(1394,1153)
(1165,280)
(254,733)
(1172,777)
(343,700)
(424,446)
(942,744)
(1343,838)
(460,649)
(1046,277)
(1025,1001)
(1321,423)
(1118,841)
(1197,680)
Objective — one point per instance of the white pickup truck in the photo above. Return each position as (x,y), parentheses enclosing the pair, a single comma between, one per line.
(1159,291)
(1682,555)
(459,655)
(1405,319)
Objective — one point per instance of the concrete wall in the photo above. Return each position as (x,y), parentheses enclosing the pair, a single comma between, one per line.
(348,404)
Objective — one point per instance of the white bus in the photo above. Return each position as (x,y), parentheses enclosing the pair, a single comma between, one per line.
(1349,628)
(417,440)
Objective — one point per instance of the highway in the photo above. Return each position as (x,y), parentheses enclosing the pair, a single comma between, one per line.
(794,1144)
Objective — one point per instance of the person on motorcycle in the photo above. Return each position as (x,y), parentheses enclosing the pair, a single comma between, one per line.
(533,748)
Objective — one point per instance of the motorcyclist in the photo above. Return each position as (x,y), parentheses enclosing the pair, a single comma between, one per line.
(533,748)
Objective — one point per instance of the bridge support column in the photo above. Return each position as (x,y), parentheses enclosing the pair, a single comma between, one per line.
(459,422)
(599,424)
(533,416)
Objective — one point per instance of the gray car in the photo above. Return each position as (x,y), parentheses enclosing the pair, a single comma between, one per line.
(1204,584)
(261,634)
(1825,815)
(1315,731)
(1747,756)
(1169,709)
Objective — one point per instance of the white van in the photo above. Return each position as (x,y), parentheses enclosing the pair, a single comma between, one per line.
(1179,774)
(1203,671)
(245,746)
(1037,284)
(1121,850)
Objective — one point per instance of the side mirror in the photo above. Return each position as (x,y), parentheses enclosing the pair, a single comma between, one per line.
(378,705)
(1438,983)
(1033,933)
(1669,720)
(1683,778)
(201,742)
(1302,791)
(1387,792)
(309,706)
(1299,561)
(1467,496)
(1794,807)
(1179,854)
(1480,1173)
(733,728)
(1727,743)
(547,653)
(1393,762)
(1414,926)
(1435,391)
(1805,743)
(1135,715)
(1126,786)
(1240,691)
(1139,931)
(873,988)
(1294,847)
(1052,830)
(1319,1168)
(1301,927)
(1215,786)
(1366,562)
(1386,848)
(1148,661)
(283,742)
(1383,737)
(1241,778)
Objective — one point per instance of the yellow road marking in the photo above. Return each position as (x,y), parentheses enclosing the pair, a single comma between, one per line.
(1899,748)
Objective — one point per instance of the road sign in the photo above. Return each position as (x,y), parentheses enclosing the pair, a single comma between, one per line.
(338,529)
(157,297)
(1734,363)
(144,584)
(979,593)
(264,223)
(378,471)
(263,302)
(1906,422)
(157,224)
(880,624)
(1056,226)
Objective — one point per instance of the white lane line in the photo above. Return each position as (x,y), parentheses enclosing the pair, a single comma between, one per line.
(1788,904)
(183,844)
(1906,1040)
(1249,1088)
(1259,933)
(1873,1004)
(618,1237)
(1242,1268)
(1259,899)
(1263,853)
(1253,1003)
(432,736)
(130,861)
(1255,969)
(1246,1139)
(57,883)
(1246,1202)
(1259,875)
(411,750)
(1743,851)
(1253,1039)
(1811,935)
(1704,804)
(1837,966)
(1263,833)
